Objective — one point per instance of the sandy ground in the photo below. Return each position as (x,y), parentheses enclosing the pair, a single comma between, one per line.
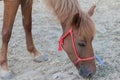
(46,32)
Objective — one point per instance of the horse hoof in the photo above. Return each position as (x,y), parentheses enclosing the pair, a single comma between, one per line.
(40,58)
(6,75)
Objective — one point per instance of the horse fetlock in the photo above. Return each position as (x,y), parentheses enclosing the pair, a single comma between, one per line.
(2,60)
(31,49)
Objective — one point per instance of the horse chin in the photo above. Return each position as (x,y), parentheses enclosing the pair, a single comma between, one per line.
(6,75)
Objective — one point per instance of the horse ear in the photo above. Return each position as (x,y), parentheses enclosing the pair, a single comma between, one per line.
(76,20)
(91,10)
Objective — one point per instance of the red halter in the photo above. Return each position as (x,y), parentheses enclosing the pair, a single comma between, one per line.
(61,42)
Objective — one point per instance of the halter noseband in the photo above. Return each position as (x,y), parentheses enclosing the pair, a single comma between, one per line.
(61,42)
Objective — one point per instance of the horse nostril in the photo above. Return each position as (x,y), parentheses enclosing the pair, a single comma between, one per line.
(86,73)
(89,75)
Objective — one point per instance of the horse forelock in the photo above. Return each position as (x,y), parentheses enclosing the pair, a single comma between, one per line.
(87,27)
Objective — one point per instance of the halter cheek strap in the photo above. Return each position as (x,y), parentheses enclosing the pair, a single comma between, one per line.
(61,42)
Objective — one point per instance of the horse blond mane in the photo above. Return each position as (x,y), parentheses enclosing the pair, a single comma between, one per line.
(66,9)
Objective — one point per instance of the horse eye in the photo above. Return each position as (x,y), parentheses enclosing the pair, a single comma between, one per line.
(82,44)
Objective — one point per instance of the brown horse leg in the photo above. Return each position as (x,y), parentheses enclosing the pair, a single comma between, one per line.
(10,9)
(27,23)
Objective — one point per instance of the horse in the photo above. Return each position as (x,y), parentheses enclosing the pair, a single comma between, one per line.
(76,40)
